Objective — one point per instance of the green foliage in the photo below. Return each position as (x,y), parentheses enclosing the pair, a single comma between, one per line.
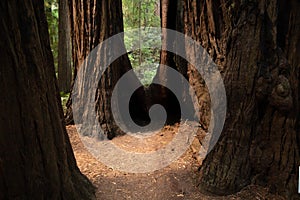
(136,13)
(64,99)
(142,13)
(51,10)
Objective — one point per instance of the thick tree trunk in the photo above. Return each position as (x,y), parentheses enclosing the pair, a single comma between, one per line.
(256,45)
(92,22)
(64,48)
(36,158)
(159,94)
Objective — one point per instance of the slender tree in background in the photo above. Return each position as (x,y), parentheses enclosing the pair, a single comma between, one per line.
(36,158)
(52,12)
(64,48)
(92,22)
(256,46)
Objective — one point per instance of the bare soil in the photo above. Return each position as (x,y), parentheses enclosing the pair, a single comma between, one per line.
(177,181)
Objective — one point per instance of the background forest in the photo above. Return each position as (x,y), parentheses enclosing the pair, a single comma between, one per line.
(136,14)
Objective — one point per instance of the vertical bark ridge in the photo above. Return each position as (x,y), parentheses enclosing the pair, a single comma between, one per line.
(254,44)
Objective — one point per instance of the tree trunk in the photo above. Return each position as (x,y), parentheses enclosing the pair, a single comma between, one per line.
(256,45)
(64,48)
(92,22)
(159,94)
(36,158)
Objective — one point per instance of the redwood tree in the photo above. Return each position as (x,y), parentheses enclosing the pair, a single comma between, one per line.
(64,48)
(256,45)
(158,93)
(36,158)
(92,22)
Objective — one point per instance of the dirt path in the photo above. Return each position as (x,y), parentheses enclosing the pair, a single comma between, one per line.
(177,181)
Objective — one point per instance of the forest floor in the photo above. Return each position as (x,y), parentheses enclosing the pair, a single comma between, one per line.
(177,181)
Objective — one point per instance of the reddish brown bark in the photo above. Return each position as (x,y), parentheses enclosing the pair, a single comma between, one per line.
(92,22)
(36,158)
(64,48)
(255,44)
